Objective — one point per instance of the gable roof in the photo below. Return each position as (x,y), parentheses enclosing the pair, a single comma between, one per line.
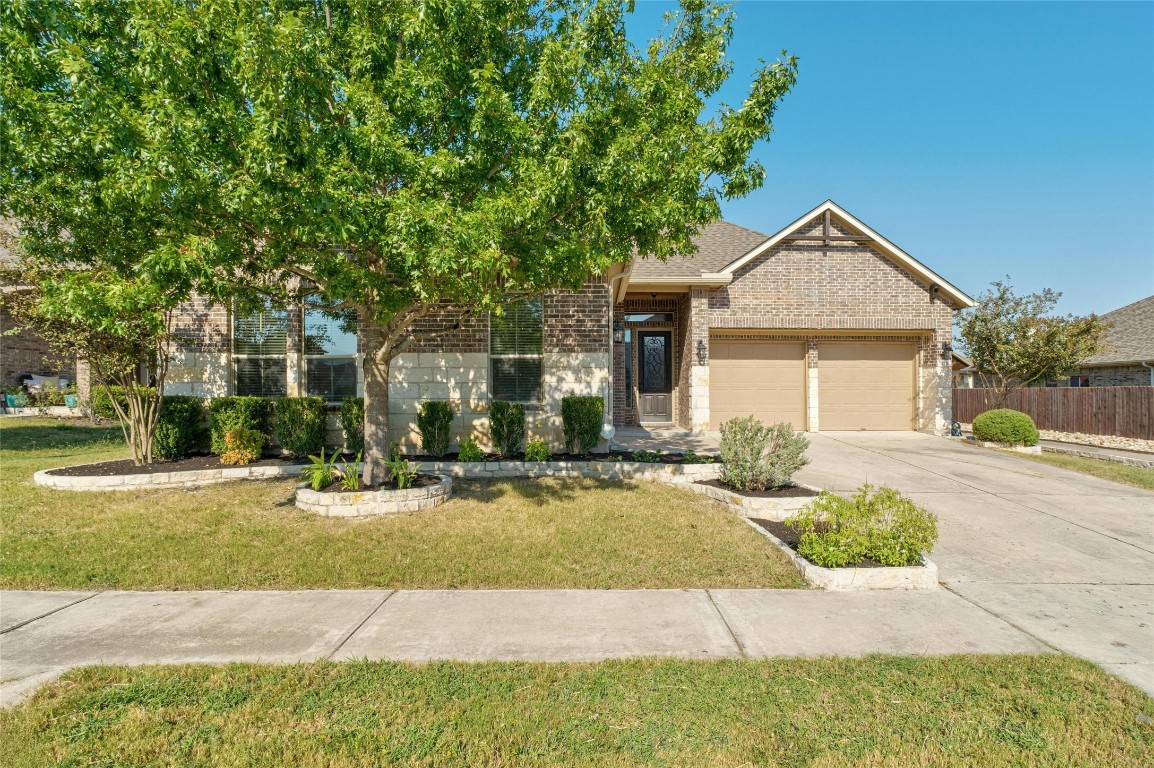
(1130,335)
(879,243)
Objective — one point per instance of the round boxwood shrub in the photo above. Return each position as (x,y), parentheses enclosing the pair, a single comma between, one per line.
(228,413)
(102,403)
(353,423)
(1005,425)
(180,428)
(300,424)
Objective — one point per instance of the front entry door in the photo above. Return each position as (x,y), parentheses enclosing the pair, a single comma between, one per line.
(655,376)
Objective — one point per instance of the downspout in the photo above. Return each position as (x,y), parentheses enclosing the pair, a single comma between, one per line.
(1151,367)
(607,429)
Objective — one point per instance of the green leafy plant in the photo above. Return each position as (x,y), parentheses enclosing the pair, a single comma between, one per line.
(507,423)
(401,469)
(469,450)
(180,430)
(321,473)
(228,413)
(300,424)
(875,523)
(353,423)
(351,474)
(101,399)
(1005,425)
(647,457)
(434,420)
(693,457)
(242,446)
(581,422)
(537,450)
(757,456)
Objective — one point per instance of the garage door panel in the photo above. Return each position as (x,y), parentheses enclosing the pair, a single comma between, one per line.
(759,378)
(867,386)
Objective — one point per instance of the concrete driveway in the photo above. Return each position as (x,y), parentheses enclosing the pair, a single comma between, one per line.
(1062,556)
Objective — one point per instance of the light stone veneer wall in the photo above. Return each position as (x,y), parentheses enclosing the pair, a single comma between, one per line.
(463,380)
(199,374)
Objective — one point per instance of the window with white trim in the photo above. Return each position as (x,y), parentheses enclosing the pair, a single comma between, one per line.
(258,351)
(516,338)
(330,347)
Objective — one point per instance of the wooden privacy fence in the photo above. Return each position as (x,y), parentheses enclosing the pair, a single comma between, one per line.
(1120,411)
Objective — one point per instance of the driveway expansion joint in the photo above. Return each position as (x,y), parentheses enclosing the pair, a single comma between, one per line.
(46,614)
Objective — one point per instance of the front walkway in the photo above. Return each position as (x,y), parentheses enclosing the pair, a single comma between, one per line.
(46,633)
(1063,556)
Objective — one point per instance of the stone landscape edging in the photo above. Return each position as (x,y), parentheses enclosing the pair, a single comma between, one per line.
(1035,450)
(771,508)
(388,501)
(192,478)
(680,474)
(924,576)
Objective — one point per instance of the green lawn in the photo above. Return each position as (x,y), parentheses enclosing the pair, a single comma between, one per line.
(1139,477)
(878,711)
(248,535)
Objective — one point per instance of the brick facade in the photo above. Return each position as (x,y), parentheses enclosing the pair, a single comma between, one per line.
(26,353)
(1117,376)
(807,291)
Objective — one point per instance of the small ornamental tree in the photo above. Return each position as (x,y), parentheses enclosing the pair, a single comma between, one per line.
(119,327)
(399,158)
(1015,341)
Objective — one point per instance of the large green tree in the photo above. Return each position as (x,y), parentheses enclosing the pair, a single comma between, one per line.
(396,157)
(1015,341)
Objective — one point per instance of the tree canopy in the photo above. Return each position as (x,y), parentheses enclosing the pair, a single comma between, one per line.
(1016,341)
(392,156)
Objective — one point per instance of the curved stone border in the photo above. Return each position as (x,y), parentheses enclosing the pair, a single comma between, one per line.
(924,576)
(776,509)
(193,478)
(604,470)
(366,503)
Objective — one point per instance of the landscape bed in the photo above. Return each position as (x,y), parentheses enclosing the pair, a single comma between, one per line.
(880,710)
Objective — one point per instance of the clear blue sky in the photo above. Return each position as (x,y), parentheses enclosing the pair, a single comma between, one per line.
(984,139)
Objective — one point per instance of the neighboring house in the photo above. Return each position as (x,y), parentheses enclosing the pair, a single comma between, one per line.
(22,352)
(826,325)
(1128,352)
(962,369)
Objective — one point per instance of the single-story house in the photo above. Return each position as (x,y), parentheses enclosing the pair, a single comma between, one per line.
(825,324)
(1127,359)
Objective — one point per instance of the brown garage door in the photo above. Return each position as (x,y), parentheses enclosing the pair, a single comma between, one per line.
(866,385)
(762,378)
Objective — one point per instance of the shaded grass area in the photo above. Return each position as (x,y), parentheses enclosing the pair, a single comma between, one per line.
(1139,477)
(248,534)
(877,711)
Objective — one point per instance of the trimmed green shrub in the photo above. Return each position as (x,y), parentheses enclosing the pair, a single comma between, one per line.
(180,428)
(470,451)
(581,422)
(757,456)
(536,450)
(300,424)
(434,419)
(875,523)
(507,423)
(242,446)
(228,413)
(102,403)
(353,423)
(1005,425)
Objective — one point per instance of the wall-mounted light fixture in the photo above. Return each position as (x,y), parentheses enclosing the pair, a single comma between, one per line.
(618,332)
(947,350)
(701,352)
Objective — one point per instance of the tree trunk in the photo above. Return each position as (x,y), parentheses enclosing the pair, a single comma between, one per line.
(376,366)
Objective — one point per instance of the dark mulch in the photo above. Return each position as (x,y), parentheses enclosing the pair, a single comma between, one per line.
(420,481)
(790,538)
(788,492)
(192,463)
(664,458)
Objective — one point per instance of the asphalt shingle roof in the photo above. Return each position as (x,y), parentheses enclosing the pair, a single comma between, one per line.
(1130,337)
(717,245)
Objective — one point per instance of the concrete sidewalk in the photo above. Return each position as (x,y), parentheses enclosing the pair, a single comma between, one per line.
(46,633)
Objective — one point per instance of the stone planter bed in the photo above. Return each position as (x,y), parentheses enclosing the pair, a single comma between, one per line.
(56,411)
(427,491)
(598,468)
(773,505)
(862,576)
(123,475)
